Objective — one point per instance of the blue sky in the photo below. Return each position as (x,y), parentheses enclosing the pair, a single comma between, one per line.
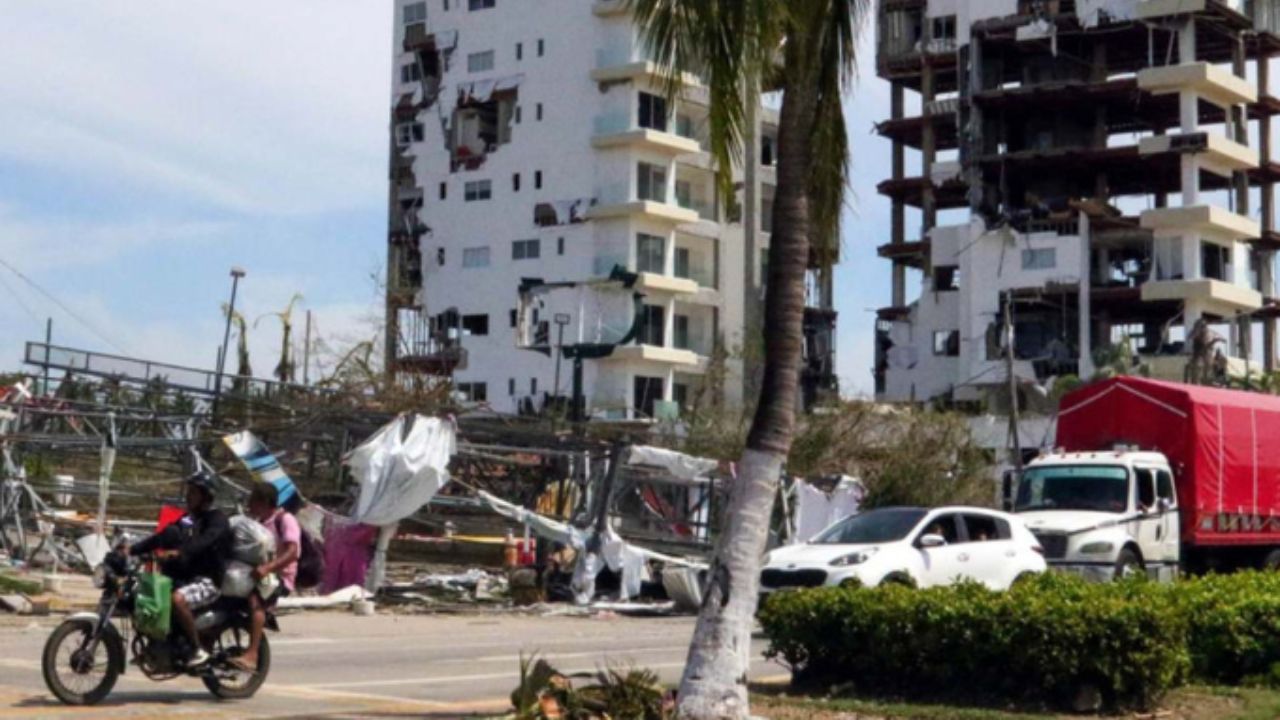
(147,149)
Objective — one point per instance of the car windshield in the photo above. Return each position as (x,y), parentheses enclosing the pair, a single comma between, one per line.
(873,526)
(1103,488)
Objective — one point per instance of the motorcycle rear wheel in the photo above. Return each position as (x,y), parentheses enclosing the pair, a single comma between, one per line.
(73,676)
(241,685)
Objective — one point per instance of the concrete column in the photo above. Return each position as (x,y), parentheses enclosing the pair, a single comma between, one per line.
(1267,259)
(1190,256)
(1187,42)
(1084,302)
(898,228)
(899,289)
(1190,180)
(928,152)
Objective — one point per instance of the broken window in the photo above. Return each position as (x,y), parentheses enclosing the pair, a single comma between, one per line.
(415,13)
(651,253)
(477,190)
(1039,259)
(480,61)
(473,392)
(946,277)
(482,120)
(408,133)
(526,249)
(475,324)
(651,183)
(475,257)
(944,27)
(653,112)
(648,391)
(410,73)
(1215,261)
(479,4)
(946,343)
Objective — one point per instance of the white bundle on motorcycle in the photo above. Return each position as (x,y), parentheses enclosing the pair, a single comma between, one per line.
(237,581)
(252,543)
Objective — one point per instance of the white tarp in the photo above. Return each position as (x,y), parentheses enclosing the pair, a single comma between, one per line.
(1094,12)
(398,473)
(685,467)
(817,510)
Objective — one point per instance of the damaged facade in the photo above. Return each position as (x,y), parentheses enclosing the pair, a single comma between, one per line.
(535,141)
(1104,165)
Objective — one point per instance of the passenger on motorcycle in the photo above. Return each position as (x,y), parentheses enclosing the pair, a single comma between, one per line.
(282,524)
(193,552)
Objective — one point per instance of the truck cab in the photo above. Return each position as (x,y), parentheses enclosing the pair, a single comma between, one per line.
(1101,514)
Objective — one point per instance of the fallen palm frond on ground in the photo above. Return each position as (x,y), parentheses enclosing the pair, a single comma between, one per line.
(545,693)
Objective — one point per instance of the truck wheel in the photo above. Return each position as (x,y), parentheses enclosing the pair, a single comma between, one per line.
(1128,564)
(1272,560)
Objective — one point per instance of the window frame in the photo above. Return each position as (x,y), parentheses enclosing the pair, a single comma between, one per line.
(486,55)
(477,190)
(470,254)
(520,249)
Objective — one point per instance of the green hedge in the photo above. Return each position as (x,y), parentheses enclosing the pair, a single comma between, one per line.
(1041,641)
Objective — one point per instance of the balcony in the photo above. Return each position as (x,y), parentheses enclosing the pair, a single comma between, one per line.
(1216,296)
(1205,220)
(619,201)
(1216,153)
(620,64)
(657,354)
(655,282)
(619,130)
(1210,82)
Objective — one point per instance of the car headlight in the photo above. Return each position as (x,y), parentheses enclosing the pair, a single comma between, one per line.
(100,576)
(856,558)
(1097,548)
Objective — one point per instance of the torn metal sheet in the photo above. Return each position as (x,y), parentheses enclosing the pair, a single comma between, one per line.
(686,467)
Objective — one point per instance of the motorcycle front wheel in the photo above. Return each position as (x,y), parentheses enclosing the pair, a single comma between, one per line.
(76,674)
(229,682)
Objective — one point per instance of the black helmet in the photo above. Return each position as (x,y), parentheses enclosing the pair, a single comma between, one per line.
(202,479)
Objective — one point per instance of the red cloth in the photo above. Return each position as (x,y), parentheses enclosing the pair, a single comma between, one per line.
(1223,446)
(168,516)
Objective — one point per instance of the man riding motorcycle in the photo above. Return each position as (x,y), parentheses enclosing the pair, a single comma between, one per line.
(193,552)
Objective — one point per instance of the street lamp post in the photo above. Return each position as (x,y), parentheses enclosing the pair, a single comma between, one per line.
(236,273)
(561,319)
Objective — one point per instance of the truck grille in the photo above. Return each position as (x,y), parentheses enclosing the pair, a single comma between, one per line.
(1054,544)
(774,578)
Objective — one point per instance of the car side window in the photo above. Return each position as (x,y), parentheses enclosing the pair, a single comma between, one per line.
(1164,486)
(944,525)
(984,527)
(1146,489)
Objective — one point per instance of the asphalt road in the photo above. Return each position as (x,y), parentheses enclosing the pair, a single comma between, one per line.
(329,664)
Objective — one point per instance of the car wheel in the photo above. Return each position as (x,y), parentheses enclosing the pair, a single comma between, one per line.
(898,578)
(1022,578)
(1128,564)
(1272,561)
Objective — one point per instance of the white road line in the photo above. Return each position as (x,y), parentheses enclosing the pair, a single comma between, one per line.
(510,674)
(555,657)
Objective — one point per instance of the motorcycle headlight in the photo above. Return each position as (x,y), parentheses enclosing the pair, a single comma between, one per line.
(100,576)
(1097,548)
(856,558)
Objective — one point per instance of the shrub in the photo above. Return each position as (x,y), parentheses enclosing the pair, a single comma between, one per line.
(1233,627)
(1043,640)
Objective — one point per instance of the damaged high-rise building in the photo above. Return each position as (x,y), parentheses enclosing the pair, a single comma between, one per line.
(1102,166)
(534,145)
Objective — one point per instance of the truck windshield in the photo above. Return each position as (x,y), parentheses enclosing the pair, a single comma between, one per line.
(1102,488)
(873,526)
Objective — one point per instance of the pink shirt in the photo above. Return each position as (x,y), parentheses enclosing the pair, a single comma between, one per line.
(285,527)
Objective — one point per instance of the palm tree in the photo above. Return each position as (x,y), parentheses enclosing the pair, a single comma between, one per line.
(805,48)
(284,370)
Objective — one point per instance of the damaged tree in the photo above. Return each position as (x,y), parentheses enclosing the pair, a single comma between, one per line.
(735,48)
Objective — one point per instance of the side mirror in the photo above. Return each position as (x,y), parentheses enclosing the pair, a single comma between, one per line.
(1006,491)
(932,541)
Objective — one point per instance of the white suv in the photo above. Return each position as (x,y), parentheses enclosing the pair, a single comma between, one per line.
(912,546)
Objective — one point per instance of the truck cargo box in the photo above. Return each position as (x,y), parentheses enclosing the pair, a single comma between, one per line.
(1223,447)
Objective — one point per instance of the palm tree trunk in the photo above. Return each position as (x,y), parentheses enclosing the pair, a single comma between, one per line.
(715,677)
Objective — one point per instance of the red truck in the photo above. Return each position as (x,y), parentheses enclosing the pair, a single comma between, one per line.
(1157,477)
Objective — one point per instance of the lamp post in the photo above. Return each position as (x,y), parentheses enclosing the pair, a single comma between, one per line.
(237,272)
(561,319)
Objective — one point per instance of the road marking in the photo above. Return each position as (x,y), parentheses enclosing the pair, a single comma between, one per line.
(555,657)
(462,678)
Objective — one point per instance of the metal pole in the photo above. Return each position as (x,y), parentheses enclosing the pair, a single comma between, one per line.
(1015,445)
(578,413)
(236,274)
(48,340)
(306,353)
(559,352)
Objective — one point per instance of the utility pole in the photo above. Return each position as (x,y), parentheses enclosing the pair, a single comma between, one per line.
(306,353)
(1015,445)
(48,341)
(561,319)
(236,273)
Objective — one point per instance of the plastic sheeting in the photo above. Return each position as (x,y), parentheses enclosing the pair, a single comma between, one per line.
(261,463)
(685,467)
(816,510)
(399,471)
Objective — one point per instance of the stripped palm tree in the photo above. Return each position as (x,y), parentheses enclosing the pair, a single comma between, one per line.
(805,48)
(285,369)
(243,370)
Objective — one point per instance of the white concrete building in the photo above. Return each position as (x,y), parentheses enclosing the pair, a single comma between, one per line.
(1105,166)
(534,140)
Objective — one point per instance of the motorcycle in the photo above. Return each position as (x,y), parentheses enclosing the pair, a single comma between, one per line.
(85,655)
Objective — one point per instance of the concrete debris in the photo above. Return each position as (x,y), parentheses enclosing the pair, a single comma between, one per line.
(17,604)
(338,598)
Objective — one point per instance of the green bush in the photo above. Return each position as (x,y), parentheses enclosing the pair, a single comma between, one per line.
(1233,627)
(1042,641)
